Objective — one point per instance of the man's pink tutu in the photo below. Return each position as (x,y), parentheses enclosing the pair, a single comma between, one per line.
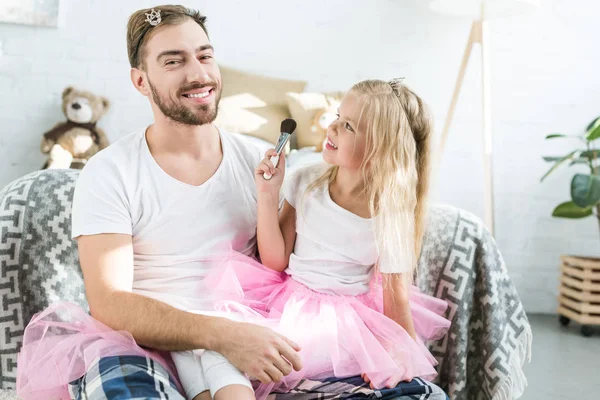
(340,336)
(61,343)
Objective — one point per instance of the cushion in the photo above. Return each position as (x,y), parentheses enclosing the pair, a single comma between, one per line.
(303,108)
(299,158)
(253,104)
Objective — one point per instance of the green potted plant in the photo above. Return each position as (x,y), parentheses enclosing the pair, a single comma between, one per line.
(580,280)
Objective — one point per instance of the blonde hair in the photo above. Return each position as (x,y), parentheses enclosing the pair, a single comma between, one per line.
(139,30)
(396,168)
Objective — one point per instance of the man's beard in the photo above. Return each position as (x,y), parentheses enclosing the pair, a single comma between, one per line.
(199,115)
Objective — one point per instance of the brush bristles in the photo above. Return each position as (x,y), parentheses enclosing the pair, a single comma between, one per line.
(288,126)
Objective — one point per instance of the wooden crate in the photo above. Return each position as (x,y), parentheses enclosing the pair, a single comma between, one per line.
(579,298)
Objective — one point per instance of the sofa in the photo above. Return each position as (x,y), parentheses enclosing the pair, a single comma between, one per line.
(480,358)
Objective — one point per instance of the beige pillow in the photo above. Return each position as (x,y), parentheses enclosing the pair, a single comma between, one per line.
(304,107)
(253,104)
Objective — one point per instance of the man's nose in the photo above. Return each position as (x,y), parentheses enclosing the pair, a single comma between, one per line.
(198,73)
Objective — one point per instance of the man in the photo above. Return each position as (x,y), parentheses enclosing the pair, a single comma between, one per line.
(152,208)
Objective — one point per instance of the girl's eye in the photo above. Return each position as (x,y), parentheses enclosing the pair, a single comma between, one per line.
(347,126)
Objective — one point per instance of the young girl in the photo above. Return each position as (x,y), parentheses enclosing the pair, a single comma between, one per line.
(340,257)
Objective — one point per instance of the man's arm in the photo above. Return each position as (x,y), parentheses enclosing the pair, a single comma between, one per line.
(107,264)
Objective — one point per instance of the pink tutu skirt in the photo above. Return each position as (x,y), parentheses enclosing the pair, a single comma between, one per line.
(61,343)
(340,335)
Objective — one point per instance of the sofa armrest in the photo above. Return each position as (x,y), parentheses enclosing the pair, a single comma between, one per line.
(490,338)
(38,260)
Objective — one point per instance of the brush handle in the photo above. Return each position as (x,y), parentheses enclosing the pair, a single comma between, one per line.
(283,139)
(274,160)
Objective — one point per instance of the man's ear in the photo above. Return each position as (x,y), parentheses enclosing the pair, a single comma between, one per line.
(140,81)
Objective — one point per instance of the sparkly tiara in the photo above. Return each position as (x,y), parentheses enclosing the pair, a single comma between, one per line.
(153,17)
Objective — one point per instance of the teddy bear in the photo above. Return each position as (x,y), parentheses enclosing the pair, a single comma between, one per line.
(71,143)
(323,118)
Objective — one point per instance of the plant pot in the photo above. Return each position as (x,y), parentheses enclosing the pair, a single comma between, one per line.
(579,298)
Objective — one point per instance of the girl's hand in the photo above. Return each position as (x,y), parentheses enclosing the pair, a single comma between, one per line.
(391,383)
(273,185)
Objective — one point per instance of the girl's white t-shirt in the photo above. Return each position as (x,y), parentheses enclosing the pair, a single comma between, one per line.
(177,229)
(335,250)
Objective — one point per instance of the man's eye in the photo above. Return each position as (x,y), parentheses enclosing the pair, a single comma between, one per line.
(205,57)
(174,62)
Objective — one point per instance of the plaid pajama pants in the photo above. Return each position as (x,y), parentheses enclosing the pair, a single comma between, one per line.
(134,377)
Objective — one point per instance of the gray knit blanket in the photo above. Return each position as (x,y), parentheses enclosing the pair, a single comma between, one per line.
(490,338)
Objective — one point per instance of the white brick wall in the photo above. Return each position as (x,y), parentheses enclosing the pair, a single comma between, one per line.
(545,79)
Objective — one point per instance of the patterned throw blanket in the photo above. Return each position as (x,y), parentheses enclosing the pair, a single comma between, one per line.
(480,358)
(490,338)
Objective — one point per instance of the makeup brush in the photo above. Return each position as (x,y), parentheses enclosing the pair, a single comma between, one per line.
(288,126)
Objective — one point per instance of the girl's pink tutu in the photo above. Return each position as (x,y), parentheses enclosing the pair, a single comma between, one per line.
(340,336)
(61,343)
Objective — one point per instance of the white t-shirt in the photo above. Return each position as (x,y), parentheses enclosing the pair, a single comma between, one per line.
(335,250)
(176,228)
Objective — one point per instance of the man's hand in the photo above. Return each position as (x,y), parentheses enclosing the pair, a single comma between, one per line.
(260,352)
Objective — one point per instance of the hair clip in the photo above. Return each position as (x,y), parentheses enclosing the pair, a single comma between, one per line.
(153,18)
(396,85)
(396,81)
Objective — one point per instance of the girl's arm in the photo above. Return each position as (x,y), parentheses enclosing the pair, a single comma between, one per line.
(396,301)
(276,234)
(395,306)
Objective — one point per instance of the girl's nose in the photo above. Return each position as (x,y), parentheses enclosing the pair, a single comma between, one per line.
(332,129)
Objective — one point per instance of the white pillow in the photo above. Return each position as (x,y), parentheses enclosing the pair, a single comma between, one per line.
(262,144)
(302,157)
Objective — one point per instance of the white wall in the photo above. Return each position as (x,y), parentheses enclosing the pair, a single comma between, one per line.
(545,79)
